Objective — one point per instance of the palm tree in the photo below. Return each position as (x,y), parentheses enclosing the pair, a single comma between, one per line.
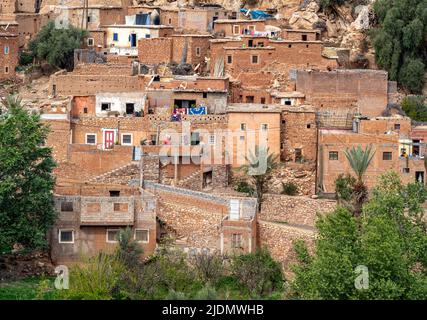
(258,170)
(359,161)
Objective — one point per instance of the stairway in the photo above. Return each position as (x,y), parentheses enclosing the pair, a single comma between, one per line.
(122,173)
(189,183)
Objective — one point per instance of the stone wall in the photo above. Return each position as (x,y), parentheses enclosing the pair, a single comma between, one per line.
(293,210)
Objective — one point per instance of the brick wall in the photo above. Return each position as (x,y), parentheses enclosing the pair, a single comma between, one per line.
(155,50)
(339,89)
(8,62)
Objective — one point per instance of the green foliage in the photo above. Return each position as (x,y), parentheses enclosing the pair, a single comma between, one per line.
(25,58)
(400,40)
(129,251)
(289,188)
(26,179)
(415,108)
(359,159)
(28,289)
(259,170)
(257,272)
(244,187)
(344,186)
(96,279)
(57,46)
(388,241)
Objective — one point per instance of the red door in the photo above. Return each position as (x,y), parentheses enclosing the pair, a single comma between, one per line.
(108,139)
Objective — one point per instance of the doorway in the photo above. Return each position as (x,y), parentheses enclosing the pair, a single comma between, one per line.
(109,139)
(419,176)
(130,108)
(133,40)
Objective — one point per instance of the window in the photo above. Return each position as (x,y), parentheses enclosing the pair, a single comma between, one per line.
(397,126)
(66,236)
(212,139)
(250,43)
(304,37)
(170,21)
(6,49)
(333,155)
(116,206)
(141,235)
(243,126)
(90,42)
(105,106)
(195,138)
(115,37)
(6,69)
(236,29)
(405,170)
(66,206)
(85,110)
(298,155)
(112,235)
(114,193)
(153,139)
(249,99)
(289,46)
(229,59)
(148,36)
(90,138)
(198,51)
(254,59)
(205,95)
(387,155)
(89,18)
(242,138)
(130,108)
(236,240)
(264,126)
(260,44)
(127,139)
(252,28)
(262,100)
(308,126)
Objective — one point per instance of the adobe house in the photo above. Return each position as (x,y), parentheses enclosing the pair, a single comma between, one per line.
(365,91)
(123,39)
(8,49)
(91,216)
(390,139)
(249,125)
(190,48)
(238,27)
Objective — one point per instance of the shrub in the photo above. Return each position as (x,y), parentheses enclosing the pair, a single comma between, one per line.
(415,108)
(244,187)
(289,188)
(257,272)
(344,186)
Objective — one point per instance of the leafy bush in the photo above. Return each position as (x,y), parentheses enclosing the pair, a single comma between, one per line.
(244,187)
(289,188)
(415,108)
(25,58)
(344,186)
(57,46)
(257,272)
(399,41)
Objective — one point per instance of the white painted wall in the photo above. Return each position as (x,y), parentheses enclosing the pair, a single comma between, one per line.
(118,101)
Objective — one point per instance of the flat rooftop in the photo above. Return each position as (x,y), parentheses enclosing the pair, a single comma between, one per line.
(238,20)
(137,26)
(253,107)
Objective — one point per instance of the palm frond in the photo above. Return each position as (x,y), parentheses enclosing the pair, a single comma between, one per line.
(359,159)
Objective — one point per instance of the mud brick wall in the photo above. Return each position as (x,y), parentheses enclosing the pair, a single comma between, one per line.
(299,131)
(155,50)
(70,84)
(294,210)
(8,62)
(58,139)
(337,89)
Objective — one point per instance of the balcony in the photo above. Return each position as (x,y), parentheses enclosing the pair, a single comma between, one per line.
(103,211)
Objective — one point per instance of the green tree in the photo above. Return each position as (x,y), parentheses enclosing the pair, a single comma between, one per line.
(391,243)
(359,161)
(259,170)
(26,178)
(57,46)
(415,108)
(400,40)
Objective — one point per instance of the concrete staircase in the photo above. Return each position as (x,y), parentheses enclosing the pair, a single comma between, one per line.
(193,181)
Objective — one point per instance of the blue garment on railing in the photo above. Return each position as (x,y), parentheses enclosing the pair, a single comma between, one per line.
(197,111)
